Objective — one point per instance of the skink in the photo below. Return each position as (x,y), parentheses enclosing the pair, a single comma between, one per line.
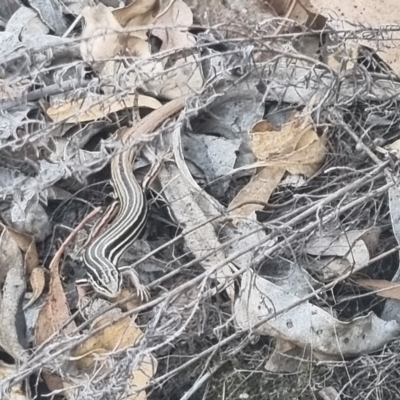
(102,255)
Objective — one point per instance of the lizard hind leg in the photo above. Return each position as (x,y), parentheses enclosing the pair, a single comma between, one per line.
(142,291)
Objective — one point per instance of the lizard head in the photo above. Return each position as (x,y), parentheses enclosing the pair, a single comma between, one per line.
(107,281)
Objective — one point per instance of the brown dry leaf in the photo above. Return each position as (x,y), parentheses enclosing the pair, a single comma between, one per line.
(130,305)
(52,318)
(141,377)
(267,141)
(259,189)
(296,148)
(118,336)
(304,160)
(55,311)
(37,281)
(186,74)
(387,289)
(102,35)
(8,254)
(12,290)
(95,107)
(27,245)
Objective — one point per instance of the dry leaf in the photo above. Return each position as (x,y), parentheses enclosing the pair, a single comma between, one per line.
(357,246)
(328,268)
(329,393)
(95,106)
(259,189)
(102,34)
(186,74)
(287,357)
(289,9)
(37,281)
(186,203)
(141,377)
(267,141)
(130,305)
(180,16)
(9,253)
(52,316)
(307,325)
(138,13)
(185,77)
(393,149)
(343,57)
(305,160)
(391,308)
(118,336)
(55,311)
(10,89)
(12,327)
(382,288)
(296,148)
(27,245)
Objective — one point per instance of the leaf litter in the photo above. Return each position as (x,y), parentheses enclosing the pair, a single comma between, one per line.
(276,188)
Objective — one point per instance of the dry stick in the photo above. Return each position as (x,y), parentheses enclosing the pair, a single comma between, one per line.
(51,90)
(329,286)
(232,241)
(67,241)
(287,16)
(276,247)
(348,188)
(196,386)
(207,273)
(27,370)
(367,150)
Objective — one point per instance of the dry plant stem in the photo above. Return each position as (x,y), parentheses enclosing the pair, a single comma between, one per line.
(71,236)
(287,16)
(269,317)
(307,298)
(309,210)
(51,90)
(13,380)
(197,385)
(339,193)
(294,221)
(27,369)
(338,119)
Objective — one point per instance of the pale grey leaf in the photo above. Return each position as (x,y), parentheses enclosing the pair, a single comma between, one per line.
(50,11)
(306,324)
(26,23)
